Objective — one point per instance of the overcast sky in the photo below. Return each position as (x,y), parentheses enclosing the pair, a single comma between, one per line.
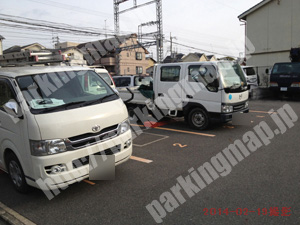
(210,25)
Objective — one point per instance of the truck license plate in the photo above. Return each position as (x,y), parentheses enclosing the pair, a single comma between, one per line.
(283,89)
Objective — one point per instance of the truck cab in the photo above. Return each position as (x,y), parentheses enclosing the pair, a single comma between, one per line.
(201,91)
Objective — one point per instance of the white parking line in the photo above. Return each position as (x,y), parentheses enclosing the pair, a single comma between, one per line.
(149,143)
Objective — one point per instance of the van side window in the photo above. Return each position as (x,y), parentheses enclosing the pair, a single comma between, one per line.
(206,74)
(6,93)
(170,73)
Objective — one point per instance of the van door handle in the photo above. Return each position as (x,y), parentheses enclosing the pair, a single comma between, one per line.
(189,96)
(160,95)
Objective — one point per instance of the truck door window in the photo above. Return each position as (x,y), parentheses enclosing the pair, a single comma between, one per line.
(170,73)
(6,93)
(205,74)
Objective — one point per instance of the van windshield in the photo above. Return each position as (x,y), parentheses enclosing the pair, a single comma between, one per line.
(232,76)
(57,91)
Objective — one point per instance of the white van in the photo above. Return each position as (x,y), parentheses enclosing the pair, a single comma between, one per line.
(51,118)
(251,76)
(106,76)
(201,92)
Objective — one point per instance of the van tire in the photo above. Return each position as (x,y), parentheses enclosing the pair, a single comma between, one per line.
(198,119)
(16,173)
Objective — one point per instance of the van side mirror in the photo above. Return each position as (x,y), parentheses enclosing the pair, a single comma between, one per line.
(12,108)
(267,71)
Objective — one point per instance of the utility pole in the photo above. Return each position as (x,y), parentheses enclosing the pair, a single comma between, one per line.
(171,46)
(105,29)
(55,40)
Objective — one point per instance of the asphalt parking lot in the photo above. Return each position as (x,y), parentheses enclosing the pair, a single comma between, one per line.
(263,188)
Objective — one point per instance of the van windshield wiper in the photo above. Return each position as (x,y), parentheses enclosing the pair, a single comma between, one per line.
(99,99)
(64,106)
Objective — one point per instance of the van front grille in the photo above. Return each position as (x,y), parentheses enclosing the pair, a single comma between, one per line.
(87,139)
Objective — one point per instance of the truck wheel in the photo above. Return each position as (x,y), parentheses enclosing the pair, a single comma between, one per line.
(198,119)
(16,174)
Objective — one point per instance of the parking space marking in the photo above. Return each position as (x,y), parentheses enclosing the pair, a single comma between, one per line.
(89,182)
(141,159)
(149,143)
(260,116)
(175,130)
(253,111)
(184,131)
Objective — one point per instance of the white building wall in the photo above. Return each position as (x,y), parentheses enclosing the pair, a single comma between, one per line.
(273,30)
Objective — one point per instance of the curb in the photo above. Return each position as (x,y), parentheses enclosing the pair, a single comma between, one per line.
(11,217)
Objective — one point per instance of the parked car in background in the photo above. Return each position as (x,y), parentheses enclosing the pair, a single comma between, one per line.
(106,76)
(251,76)
(131,81)
(285,77)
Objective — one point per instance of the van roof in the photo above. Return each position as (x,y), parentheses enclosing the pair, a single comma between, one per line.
(30,70)
(192,63)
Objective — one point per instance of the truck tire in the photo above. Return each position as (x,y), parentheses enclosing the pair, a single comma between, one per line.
(198,119)
(16,173)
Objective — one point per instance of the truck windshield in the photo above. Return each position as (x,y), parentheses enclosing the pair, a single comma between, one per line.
(232,76)
(286,69)
(59,91)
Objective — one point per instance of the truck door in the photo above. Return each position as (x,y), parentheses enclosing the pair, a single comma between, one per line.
(202,86)
(168,90)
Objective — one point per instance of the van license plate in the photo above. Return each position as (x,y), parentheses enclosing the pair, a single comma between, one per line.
(283,89)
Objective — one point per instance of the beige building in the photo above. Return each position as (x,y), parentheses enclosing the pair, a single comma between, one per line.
(272,29)
(120,56)
(211,58)
(73,56)
(66,44)
(194,57)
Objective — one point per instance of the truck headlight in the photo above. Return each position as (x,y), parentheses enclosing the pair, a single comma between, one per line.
(246,105)
(124,126)
(47,147)
(227,108)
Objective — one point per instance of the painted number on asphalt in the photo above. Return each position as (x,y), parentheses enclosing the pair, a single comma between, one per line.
(180,145)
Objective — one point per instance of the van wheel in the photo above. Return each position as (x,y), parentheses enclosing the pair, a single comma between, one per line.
(198,119)
(16,174)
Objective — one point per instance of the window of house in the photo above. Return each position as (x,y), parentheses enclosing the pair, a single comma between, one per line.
(128,69)
(138,55)
(127,54)
(170,73)
(139,70)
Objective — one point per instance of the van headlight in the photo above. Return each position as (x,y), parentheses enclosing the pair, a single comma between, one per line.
(47,147)
(227,108)
(123,127)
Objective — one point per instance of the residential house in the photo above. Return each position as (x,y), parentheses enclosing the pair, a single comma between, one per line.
(211,58)
(173,58)
(194,57)
(73,56)
(121,55)
(150,67)
(17,48)
(272,29)
(67,44)
(1,46)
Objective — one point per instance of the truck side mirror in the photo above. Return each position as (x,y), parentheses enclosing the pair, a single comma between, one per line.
(12,108)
